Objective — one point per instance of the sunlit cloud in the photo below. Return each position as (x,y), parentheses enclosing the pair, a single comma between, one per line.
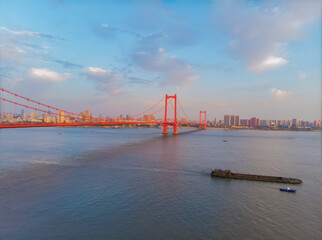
(47,75)
(29,33)
(268,63)
(280,94)
(260,33)
(274,61)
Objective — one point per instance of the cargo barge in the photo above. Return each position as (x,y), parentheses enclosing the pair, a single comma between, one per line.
(230,175)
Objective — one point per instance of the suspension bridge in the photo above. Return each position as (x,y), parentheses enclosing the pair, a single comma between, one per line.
(51,116)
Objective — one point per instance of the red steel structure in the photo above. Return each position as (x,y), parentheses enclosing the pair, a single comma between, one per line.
(74,119)
(203,123)
(166,123)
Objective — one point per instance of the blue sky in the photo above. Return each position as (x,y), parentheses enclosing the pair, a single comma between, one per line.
(252,58)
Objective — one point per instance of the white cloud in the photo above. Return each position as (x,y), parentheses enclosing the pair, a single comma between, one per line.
(106,80)
(274,61)
(302,76)
(29,33)
(45,74)
(280,94)
(260,32)
(24,33)
(97,71)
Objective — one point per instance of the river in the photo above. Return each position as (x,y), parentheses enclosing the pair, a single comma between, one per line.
(96,183)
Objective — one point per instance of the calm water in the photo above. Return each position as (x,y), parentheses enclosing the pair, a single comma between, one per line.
(92,183)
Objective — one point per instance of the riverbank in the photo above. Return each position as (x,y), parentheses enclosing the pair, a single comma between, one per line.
(210,127)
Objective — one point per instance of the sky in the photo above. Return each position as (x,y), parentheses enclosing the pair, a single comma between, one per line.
(249,58)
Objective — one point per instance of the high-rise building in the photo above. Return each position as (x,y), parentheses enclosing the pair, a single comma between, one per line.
(128,117)
(236,120)
(9,117)
(148,118)
(317,124)
(254,122)
(295,122)
(68,118)
(227,120)
(47,118)
(215,121)
(244,122)
(33,115)
(60,117)
(231,120)
(86,115)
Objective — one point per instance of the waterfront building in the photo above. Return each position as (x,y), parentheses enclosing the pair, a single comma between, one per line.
(86,115)
(295,122)
(264,122)
(317,124)
(60,117)
(33,115)
(254,122)
(68,118)
(9,117)
(236,120)
(148,118)
(227,120)
(231,120)
(244,122)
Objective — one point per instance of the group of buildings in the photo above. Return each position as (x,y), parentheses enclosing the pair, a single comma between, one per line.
(228,121)
(65,117)
(60,117)
(235,121)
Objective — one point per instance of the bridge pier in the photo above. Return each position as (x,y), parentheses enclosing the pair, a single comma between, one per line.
(165,128)
(175,128)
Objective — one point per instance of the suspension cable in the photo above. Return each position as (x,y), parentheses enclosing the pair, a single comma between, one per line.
(184,111)
(148,109)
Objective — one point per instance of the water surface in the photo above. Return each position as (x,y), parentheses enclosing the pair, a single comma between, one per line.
(94,183)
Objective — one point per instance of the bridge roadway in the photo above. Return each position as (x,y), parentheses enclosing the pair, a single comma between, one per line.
(76,124)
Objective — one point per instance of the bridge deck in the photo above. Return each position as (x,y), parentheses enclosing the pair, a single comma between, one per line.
(75,124)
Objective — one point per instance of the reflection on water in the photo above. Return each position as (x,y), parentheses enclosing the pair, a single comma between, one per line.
(137,184)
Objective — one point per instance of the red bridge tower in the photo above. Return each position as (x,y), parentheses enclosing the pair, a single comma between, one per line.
(165,123)
(203,123)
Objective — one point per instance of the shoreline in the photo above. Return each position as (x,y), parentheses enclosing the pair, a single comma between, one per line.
(214,128)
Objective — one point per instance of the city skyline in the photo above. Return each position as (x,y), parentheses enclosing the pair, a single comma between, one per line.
(125,56)
(227,120)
